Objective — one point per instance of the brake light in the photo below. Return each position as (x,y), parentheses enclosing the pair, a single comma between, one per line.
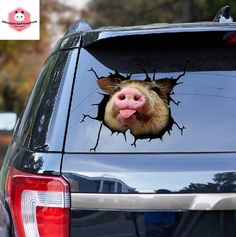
(40,205)
(230,39)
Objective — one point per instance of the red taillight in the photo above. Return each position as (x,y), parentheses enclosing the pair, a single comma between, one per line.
(40,205)
(230,39)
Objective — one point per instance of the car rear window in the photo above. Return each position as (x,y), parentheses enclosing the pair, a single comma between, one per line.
(158,93)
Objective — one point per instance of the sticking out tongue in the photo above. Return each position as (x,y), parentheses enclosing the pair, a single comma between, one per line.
(127,113)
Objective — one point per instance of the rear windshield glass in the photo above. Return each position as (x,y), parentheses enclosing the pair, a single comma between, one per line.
(155,94)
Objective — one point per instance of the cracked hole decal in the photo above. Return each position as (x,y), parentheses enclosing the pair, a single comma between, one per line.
(139,106)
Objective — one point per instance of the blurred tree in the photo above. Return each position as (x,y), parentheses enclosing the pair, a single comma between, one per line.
(200,188)
(205,10)
(226,181)
(133,12)
(136,12)
(20,61)
(223,182)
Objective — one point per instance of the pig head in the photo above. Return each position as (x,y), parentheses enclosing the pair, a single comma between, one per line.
(139,106)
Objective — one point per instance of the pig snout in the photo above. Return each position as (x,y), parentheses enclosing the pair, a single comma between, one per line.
(129,98)
(128,101)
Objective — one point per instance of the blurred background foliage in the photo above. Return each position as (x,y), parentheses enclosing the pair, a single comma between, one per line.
(132,12)
(20,61)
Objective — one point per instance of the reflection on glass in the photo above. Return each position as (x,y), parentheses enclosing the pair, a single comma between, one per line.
(223,183)
(108,183)
(159,223)
(102,184)
(154,224)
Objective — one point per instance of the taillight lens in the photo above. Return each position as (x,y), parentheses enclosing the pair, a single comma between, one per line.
(230,39)
(40,205)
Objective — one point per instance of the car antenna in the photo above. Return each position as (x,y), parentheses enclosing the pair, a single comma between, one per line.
(223,15)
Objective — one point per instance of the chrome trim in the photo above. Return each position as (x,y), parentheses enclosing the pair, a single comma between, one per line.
(141,202)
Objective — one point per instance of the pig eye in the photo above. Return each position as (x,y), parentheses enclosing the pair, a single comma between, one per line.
(156,89)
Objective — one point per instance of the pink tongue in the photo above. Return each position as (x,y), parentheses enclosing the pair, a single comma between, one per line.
(127,113)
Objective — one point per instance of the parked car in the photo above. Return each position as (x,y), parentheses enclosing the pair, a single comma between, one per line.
(129,131)
(7,124)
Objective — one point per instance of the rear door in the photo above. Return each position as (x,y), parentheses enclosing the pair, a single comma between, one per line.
(154,169)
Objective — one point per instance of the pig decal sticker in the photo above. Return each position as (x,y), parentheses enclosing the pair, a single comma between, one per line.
(139,106)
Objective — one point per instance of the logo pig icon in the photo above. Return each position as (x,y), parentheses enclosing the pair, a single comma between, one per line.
(19,19)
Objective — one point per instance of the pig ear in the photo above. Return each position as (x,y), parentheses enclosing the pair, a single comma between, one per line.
(108,84)
(166,85)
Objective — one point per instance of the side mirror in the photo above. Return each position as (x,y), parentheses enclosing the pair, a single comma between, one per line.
(7,121)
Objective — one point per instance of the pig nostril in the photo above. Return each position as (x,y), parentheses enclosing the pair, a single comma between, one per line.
(137,98)
(122,97)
